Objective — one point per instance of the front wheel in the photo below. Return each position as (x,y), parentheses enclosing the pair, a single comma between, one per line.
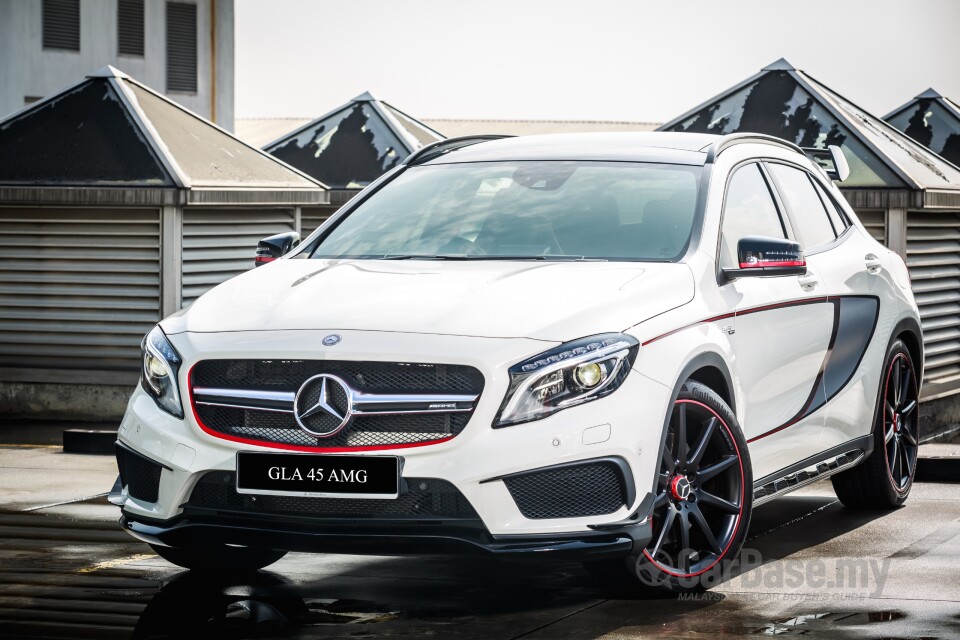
(220,558)
(884,480)
(703,499)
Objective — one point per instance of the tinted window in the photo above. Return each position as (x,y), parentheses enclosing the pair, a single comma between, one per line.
(524,210)
(836,217)
(749,210)
(804,204)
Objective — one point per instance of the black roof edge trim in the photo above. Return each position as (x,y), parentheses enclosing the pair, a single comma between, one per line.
(732,139)
(441,147)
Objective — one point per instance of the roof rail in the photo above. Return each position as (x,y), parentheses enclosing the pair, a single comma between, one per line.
(437,149)
(732,139)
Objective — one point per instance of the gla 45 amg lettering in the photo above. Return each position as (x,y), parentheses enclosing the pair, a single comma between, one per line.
(606,347)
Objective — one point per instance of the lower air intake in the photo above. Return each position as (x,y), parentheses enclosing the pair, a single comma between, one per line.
(139,474)
(569,491)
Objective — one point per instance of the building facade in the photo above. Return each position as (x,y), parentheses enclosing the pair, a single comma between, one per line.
(185,49)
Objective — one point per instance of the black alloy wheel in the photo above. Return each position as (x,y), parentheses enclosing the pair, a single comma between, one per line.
(703,499)
(901,433)
(701,493)
(884,479)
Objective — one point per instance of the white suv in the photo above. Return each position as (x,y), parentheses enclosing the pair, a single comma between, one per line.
(604,346)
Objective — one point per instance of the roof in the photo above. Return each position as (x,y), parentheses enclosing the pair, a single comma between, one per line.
(354,144)
(676,148)
(933,120)
(109,130)
(260,131)
(785,102)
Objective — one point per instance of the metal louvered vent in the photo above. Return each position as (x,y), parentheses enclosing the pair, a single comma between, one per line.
(61,24)
(220,244)
(181,47)
(78,287)
(875,223)
(933,257)
(130,27)
(313,217)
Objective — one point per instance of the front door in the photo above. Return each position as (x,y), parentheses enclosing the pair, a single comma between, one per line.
(782,334)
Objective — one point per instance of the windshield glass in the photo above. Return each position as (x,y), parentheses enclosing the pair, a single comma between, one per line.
(524,210)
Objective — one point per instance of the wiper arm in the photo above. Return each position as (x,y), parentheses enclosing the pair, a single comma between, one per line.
(481,257)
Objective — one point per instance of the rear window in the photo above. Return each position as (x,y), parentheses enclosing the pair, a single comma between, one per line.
(524,210)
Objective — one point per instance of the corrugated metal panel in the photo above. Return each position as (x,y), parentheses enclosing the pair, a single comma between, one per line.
(876,224)
(78,287)
(313,217)
(933,257)
(220,244)
(181,47)
(130,27)
(61,24)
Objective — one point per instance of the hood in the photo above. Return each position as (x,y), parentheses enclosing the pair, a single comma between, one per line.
(554,301)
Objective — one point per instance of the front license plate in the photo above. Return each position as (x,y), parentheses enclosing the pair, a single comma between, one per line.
(318,475)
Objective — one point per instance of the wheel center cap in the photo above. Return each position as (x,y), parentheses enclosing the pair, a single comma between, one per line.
(680,488)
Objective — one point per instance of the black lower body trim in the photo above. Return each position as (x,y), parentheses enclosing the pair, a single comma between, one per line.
(374,538)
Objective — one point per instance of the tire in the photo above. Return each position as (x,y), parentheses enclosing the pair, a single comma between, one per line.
(222,559)
(703,503)
(884,480)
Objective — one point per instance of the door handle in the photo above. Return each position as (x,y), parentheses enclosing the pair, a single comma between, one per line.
(872,263)
(808,282)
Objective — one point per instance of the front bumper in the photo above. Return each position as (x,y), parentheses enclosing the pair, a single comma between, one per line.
(626,424)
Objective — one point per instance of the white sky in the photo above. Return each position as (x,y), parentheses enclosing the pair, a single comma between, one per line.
(598,60)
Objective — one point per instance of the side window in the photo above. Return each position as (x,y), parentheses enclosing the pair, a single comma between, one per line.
(749,210)
(806,210)
(836,216)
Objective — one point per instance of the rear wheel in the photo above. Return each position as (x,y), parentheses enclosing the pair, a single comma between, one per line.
(220,558)
(703,499)
(884,480)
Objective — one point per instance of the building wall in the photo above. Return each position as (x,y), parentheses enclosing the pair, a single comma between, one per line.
(27,69)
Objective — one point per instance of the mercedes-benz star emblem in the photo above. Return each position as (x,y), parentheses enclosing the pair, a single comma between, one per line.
(323,405)
(331,340)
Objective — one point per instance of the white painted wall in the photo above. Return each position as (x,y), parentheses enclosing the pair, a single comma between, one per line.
(26,69)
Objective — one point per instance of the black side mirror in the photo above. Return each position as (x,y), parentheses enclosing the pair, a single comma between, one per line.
(269,249)
(760,256)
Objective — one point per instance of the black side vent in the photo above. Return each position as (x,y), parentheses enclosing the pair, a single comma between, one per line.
(139,474)
(181,47)
(130,27)
(61,24)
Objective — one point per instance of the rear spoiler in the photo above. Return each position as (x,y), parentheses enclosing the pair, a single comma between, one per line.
(831,160)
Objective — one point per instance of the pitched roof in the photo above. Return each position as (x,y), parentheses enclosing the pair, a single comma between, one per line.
(260,131)
(110,130)
(786,102)
(932,120)
(354,144)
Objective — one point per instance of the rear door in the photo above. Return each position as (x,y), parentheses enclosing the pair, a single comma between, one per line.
(782,331)
(861,291)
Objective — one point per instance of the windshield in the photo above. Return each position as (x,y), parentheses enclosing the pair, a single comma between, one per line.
(543,210)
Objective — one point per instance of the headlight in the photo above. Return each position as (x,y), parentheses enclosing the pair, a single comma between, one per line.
(571,374)
(161,362)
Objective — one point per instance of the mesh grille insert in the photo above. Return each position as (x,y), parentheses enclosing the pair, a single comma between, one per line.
(366,377)
(590,489)
(425,498)
(140,475)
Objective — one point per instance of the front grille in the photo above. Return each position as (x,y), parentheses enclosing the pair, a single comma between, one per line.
(140,475)
(590,489)
(262,425)
(424,498)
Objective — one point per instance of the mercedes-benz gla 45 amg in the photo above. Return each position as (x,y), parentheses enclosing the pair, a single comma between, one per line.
(609,347)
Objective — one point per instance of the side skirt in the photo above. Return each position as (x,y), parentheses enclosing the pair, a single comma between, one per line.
(812,469)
